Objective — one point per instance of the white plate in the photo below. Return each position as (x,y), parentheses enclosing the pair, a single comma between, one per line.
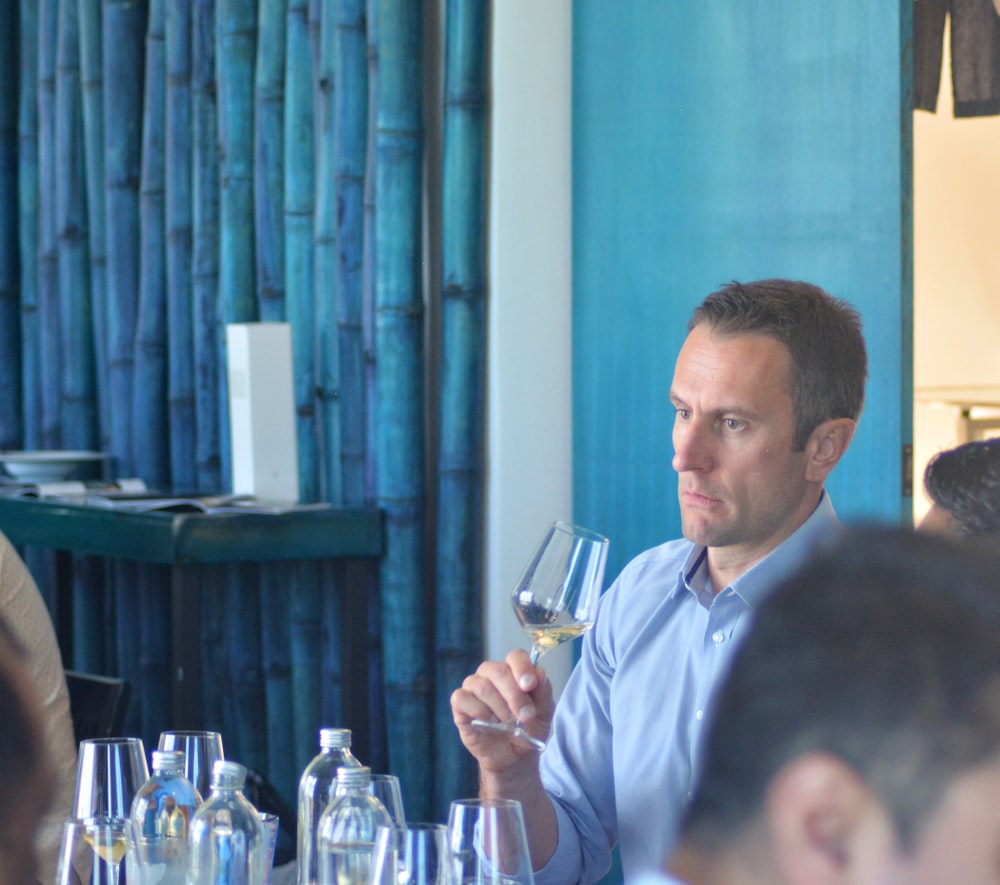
(46,466)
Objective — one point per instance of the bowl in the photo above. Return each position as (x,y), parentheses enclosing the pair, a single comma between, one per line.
(46,466)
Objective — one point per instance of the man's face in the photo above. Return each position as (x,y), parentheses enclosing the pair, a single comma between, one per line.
(740,485)
(960,842)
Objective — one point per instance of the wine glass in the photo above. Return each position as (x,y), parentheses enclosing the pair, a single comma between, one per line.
(488,844)
(385,788)
(414,854)
(555,599)
(92,850)
(109,771)
(202,749)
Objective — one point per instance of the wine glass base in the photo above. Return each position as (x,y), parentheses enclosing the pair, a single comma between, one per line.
(512,730)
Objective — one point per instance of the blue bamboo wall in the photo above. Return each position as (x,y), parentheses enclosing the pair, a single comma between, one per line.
(170,166)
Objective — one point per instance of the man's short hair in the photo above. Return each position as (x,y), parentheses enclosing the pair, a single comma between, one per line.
(881,651)
(965,481)
(823,336)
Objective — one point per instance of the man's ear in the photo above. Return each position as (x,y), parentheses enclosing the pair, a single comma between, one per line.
(825,824)
(826,446)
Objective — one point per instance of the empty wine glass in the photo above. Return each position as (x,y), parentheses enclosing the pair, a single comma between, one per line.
(385,788)
(555,599)
(92,851)
(109,771)
(487,843)
(415,854)
(202,749)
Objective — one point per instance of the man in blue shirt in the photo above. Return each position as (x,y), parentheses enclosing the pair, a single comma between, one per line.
(767,391)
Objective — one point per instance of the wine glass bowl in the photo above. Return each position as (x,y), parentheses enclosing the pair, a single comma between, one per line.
(488,843)
(93,849)
(555,599)
(202,749)
(109,771)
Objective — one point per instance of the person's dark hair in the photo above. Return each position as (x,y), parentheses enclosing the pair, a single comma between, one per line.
(822,334)
(965,481)
(881,651)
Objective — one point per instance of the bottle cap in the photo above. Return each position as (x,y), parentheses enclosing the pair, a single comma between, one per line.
(334,738)
(168,761)
(348,776)
(231,772)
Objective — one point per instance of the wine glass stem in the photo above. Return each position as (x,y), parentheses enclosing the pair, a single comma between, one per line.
(536,653)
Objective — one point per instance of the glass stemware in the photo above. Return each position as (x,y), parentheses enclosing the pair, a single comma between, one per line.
(488,844)
(202,749)
(109,771)
(555,599)
(385,788)
(415,854)
(93,850)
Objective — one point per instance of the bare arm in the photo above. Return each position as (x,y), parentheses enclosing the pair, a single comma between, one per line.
(508,769)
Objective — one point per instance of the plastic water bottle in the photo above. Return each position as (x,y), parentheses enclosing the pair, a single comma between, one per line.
(316,789)
(228,842)
(347,830)
(161,815)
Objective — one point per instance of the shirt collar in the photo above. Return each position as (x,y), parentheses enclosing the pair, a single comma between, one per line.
(757,581)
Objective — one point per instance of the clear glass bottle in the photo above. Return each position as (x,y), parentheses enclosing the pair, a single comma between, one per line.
(346,839)
(161,814)
(227,842)
(316,788)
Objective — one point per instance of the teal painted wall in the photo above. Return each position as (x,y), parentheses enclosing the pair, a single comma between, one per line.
(731,140)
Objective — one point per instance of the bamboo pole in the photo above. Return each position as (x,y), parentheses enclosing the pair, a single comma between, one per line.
(49,325)
(282,765)
(77,418)
(399,446)
(178,207)
(299,187)
(28,215)
(11,427)
(244,700)
(322,41)
(150,431)
(123,31)
(92,83)
(235,32)
(269,221)
(207,343)
(351,153)
(461,499)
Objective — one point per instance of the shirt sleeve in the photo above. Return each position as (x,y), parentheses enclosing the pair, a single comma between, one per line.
(576,765)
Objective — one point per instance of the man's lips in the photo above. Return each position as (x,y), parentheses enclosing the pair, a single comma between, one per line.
(698,499)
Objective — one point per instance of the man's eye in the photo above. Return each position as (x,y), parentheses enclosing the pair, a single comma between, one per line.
(683,414)
(733,423)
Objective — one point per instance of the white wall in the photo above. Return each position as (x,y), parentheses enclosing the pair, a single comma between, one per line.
(956,265)
(529,472)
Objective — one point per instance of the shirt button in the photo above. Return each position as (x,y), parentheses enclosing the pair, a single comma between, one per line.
(699,714)
(718,637)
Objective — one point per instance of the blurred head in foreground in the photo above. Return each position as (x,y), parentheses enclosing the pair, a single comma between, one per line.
(27,780)
(857,736)
(963,484)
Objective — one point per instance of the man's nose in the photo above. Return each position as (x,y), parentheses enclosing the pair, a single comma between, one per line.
(692,446)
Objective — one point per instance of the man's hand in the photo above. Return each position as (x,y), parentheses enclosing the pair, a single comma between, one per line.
(495,692)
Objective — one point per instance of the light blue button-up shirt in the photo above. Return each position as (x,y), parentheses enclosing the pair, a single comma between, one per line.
(624,751)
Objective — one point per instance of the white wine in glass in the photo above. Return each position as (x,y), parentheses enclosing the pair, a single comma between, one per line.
(555,599)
